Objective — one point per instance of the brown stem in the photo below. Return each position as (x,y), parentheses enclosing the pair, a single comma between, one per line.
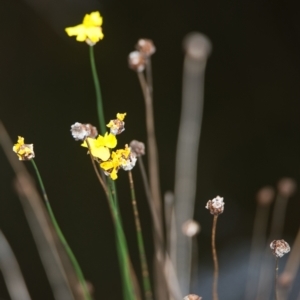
(276,278)
(215,259)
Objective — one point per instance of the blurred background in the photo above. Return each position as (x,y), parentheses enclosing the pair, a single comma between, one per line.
(250,131)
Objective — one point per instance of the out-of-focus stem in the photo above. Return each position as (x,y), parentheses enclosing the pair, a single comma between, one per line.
(12,275)
(61,277)
(141,247)
(61,236)
(197,48)
(257,248)
(215,259)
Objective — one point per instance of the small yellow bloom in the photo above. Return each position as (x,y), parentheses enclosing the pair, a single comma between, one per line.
(89,31)
(24,151)
(100,147)
(112,166)
(117,126)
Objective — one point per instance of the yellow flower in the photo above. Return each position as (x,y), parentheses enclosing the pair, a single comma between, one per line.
(112,166)
(117,126)
(24,151)
(89,31)
(100,147)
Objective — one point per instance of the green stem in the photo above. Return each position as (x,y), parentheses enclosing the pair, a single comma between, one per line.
(144,265)
(122,250)
(61,237)
(98,92)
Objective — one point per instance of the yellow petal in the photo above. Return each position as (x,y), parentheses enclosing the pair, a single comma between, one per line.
(110,140)
(94,33)
(121,117)
(113,174)
(107,165)
(101,152)
(110,124)
(94,19)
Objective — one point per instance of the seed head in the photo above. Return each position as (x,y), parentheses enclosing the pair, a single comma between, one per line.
(129,162)
(146,47)
(81,131)
(137,147)
(192,297)
(136,61)
(216,205)
(280,247)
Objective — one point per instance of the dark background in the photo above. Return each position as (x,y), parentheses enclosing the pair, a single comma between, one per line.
(250,134)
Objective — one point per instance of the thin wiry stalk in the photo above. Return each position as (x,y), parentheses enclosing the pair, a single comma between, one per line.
(149,75)
(61,236)
(98,92)
(291,268)
(161,289)
(215,259)
(276,278)
(152,147)
(277,225)
(12,274)
(141,247)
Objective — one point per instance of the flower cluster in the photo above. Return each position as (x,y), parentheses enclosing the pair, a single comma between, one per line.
(215,206)
(100,147)
(24,151)
(280,247)
(89,31)
(137,60)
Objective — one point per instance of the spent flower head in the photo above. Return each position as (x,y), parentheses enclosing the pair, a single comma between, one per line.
(24,151)
(146,47)
(280,247)
(137,147)
(216,205)
(89,31)
(136,61)
(81,131)
(100,147)
(117,126)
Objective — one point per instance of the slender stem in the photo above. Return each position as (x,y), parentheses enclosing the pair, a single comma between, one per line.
(69,252)
(215,259)
(149,75)
(144,265)
(153,156)
(98,92)
(122,250)
(276,278)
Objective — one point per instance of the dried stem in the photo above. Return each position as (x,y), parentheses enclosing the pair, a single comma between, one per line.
(153,156)
(215,259)
(159,258)
(276,278)
(144,265)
